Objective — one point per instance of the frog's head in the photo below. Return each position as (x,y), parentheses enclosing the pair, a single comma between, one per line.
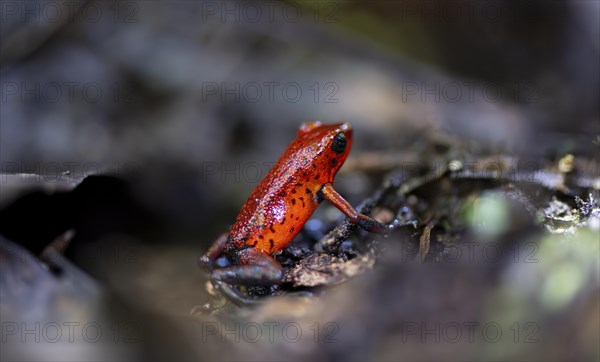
(332,143)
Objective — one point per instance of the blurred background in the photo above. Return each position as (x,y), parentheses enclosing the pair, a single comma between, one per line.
(180,107)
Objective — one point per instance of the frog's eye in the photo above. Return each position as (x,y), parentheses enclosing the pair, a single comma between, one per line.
(339,143)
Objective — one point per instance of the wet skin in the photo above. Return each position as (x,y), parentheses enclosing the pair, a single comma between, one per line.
(280,205)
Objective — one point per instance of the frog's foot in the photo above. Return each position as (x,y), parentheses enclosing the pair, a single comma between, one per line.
(397,224)
(235,296)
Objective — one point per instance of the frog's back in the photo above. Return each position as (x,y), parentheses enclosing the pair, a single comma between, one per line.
(280,205)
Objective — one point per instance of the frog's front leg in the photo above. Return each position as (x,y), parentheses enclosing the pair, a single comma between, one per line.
(328,193)
(256,268)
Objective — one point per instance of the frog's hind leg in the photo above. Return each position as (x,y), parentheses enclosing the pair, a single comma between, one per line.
(207,260)
(256,268)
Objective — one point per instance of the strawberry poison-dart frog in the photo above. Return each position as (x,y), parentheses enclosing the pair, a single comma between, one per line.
(280,205)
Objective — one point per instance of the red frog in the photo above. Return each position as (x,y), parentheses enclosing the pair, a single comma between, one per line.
(280,205)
